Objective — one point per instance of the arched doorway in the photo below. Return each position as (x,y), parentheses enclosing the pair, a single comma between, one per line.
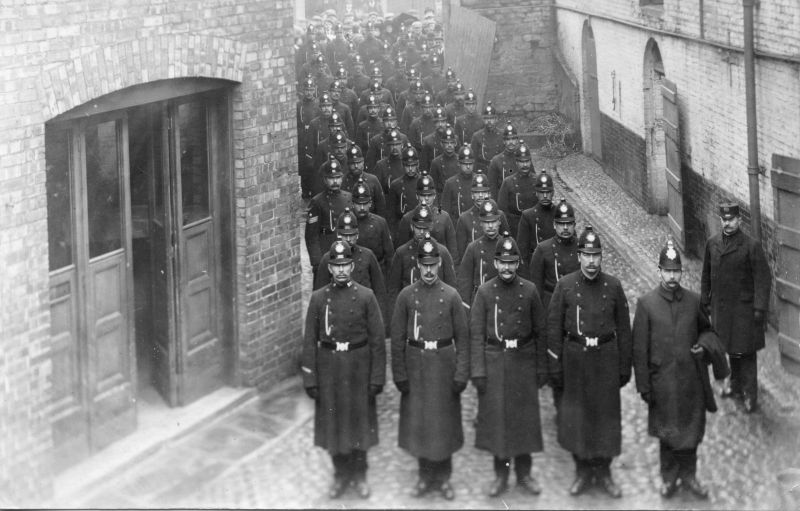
(591,97)
(655,157)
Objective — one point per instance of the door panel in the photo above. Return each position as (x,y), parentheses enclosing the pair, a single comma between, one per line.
(669,93)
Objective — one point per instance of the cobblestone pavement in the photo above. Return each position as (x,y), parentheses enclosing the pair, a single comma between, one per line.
(263,455)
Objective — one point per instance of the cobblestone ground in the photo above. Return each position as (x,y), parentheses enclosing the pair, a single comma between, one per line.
(739,458)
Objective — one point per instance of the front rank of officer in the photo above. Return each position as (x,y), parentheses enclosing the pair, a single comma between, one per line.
(430,367)
(508,366)
(589,355)
(344,369)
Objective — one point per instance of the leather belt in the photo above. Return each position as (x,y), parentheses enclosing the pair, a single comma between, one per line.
(592,342)
(341,346)
(430,345)
(509,344)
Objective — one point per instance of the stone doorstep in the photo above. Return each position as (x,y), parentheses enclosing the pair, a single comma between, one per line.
(81,481)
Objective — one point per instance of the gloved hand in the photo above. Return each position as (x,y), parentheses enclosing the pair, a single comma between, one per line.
(480,384)
(542,379)
(402,386)
(313,392)
(374,390)
(697,351)
(557,380)
(646,397)
(758,316)
(624,379)
(459,386)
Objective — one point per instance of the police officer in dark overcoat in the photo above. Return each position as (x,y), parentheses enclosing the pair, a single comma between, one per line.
(505,163)
(344,368)
(590,351)
(556,256)
(518,191)
(468,227)
(477,263)
(735,288)
(670,361)
(536,223)
(442,228)
(323,212)
(402,196)
(487,142)
(373,231)
(430,367)
(356,172)
(456,195)
(508,365)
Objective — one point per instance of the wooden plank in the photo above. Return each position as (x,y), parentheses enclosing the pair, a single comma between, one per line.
(787,291)
(466,33)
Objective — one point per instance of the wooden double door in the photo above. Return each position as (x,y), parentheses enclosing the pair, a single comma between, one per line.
(136,295)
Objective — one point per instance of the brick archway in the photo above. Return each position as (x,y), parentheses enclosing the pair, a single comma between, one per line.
(117,67)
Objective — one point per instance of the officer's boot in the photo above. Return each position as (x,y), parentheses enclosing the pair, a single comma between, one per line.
(443,470)
(500,483)
(688,470)
(605,480)
(423,484)
(358,470)
(340,475)
(582,477)
(526,482)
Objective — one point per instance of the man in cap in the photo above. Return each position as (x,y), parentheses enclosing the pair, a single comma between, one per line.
(424,124)
(403,190)
(404,270)
(503,164)
(477,262)
(391,166)
(487,142)
(371,126)
(371,47)
(323,211)
(337,48)
(433,143)
(379,143)
(508,365)
(448,163)
(430,367)
(536,223)
(468,227)
(467,124)
(355,167)
(589,353)
(735,289)
(344,368)
(373,231)
(442,228)
(672,345)
(519,191)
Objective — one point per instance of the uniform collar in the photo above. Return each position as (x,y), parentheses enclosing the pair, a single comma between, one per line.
(668,295)
(568,241)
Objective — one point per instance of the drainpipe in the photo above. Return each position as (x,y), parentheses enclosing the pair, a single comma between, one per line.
(752,126)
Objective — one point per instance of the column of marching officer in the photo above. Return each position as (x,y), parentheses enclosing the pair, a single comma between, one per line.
(427,223)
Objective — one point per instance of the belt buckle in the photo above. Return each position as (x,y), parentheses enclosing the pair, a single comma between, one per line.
(430,345)
(592,341)
(510,343)
(342,346)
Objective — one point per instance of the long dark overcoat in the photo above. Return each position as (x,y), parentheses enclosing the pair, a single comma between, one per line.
(589,418)
(508,412)
(476,267)
(430,413)
(735,282)
(345,417)
(666,325)
(404,270)
(552,259)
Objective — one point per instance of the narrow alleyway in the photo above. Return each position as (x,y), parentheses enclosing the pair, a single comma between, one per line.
(262,454)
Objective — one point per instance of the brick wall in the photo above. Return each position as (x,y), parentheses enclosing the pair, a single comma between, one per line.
(624,158)
(59,55)
(521,76)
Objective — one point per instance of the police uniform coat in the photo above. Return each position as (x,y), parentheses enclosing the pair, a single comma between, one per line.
(323,212)
(442,229)
(517,193)
(373,183)
(508,412)
(378,150)
(387,170)
(345,417)
(431,148)
(456,196)
(589,417)
(468,229)
(476,267)
(411,111)
(466,126)
(367,129)
(666,325)
(402,199)
(535,226)
(486,145)
(373,233)
(552,259)
(500,167)
(443,167)
(735,282)
(420,128)
(404,270)
(430,413)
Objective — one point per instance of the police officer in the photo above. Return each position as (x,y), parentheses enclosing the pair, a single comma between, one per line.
(457,193)
(343,109)
(556,256)
(355,167)
(456,107)
(344,368)
(672,345)
(445,96)
(430,367)
(334,148)
(358,80)
(433,143)
(391,166)
(468,227)
(503,164)
(735,288)
(371,126)
(307,110)
(467,124)
(404,270)
(536,223)
(323,212)
(409,95)
(477,263)
(442,228)
(373,231)
(447,164)
(487,142)
(347,96)
(403,190)
(590,351)
(508,364)
(398,82)
(411,105)
(423,125)
(379,143)
(519,191)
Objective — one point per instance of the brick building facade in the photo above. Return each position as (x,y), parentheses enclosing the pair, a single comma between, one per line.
(79,82)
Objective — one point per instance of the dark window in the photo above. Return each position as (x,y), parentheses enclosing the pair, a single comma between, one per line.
(59,197)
